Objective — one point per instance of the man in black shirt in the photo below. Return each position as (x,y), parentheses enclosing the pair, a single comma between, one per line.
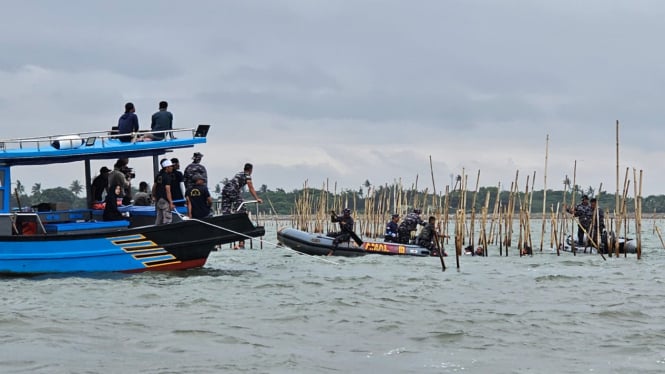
(198,199)
(176,183)
(161,192)
(100,184)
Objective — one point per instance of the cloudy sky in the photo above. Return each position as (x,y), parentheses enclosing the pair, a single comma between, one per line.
(348,91)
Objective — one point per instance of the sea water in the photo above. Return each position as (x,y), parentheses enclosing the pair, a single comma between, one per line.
(272,310)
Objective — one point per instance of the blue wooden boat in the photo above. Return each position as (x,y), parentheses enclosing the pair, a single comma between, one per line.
(74,241)
(321,245)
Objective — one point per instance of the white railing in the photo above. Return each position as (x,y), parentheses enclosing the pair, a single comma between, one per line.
(75,140)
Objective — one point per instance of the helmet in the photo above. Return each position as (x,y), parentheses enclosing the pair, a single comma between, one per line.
(346,211)
(417,211)
(396,215)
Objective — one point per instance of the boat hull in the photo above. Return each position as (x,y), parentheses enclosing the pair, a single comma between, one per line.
(625,246)
(321,245)
(181,245)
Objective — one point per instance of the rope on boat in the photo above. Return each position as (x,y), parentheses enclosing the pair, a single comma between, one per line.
(276,245)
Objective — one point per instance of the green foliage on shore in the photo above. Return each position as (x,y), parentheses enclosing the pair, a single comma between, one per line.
(281,202)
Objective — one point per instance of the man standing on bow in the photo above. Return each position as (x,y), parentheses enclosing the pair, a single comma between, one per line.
(232,191)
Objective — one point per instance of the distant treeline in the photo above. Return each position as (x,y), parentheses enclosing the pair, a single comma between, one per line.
(282,202)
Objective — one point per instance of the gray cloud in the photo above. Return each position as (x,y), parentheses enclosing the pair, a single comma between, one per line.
(323,89)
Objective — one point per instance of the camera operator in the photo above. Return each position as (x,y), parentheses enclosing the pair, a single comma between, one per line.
(122,176)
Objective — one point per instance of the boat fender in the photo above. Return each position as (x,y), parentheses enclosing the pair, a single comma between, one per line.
(67,142)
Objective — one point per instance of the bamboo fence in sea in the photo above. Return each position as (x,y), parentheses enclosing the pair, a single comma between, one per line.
(464,225)
(495,226)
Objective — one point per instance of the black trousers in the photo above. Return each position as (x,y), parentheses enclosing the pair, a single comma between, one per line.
(340,237)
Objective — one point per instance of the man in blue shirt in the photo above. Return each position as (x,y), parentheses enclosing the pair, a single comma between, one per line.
(391,229)
(161,121)
(128,123)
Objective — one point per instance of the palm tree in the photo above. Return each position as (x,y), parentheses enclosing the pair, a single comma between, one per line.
(566,182)
(76,187)
(19,187)
(36,189)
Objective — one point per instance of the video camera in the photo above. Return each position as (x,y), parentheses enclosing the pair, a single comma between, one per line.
(129,172)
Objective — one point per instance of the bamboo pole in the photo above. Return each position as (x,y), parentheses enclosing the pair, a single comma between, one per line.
(660,236)
(446,207)
(473,212)
(495,215)
(566,184)
(483,232)
(573,233)
(511,211)
(638,213)
(500,227)
(542,232)
(616,195)
(593,243)
(621,218)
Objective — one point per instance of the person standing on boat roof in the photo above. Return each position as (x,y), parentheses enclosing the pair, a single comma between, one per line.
(100,185)
(584,214)
(176,183)
(391,229)
(161,193)
(345,226)
(120,177)
(409,224)
(162,120)
(194,168)
(198,199)
(111,212)
(428,236)
(128,123)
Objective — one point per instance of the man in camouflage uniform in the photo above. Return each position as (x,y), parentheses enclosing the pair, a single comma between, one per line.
(194,168)
(232,194)
(232,191)
(584,213)
(428,236)
(410,223)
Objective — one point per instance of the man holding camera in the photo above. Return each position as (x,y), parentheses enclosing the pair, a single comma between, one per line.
(121,176)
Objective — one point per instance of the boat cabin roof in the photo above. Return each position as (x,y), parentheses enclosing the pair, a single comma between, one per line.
(87,146)
(97,145)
